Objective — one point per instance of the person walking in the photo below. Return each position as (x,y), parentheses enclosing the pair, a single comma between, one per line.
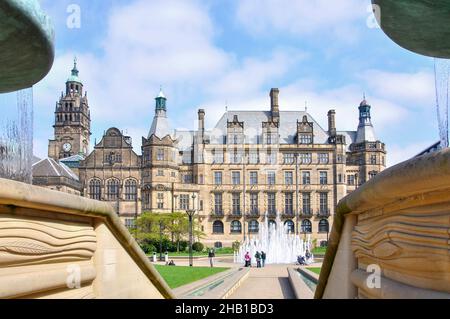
(258,259)
(263,259)
(248,260)
(211,256)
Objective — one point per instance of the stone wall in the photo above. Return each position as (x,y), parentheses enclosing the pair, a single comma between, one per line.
(399,223)
(55,245)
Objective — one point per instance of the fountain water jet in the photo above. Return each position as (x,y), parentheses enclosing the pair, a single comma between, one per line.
(442,78)
(280,246)
(16,135)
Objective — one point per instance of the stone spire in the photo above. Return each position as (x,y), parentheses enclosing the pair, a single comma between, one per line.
(365,131)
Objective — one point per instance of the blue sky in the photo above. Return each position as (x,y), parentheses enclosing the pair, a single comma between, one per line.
(210,53)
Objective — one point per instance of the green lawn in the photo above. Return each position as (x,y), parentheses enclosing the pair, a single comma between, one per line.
(221,252)
(179,276)
(319,250)
(315,270)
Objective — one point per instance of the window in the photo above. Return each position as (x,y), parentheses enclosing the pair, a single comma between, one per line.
(95,189)
(351,180)
(160,201)
(218,245)
(323,158)
(184,202)
(254,203)
(306,178)
(160,155)
(324,204)
(218,178)
(187,179)
(218,227)
(373,159)
(306,201)
(324,226)
(272,225)
(160,172)
(253,227)
(218,204)
(289,158)
(372,174)
(236,157)
(305,158)
(129,223)
(323,178)
(271,203)
(306,226)
(253,178)
(236,178)
(271,138)
(289,178)
(236,227)
(112,189)
(253,157)
(339,177)
(130,190)
(288,204)
(218,157)
(289,226)
(236,200)
(271,158)
(306,139)
(271,178)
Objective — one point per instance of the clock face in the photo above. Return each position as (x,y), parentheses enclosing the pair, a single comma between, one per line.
(67,147)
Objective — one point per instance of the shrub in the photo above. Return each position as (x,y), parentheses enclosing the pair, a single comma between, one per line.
(198,247)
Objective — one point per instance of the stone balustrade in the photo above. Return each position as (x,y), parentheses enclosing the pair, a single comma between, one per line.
(397,223)
(55,245)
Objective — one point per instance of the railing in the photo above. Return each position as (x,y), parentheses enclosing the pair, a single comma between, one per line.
(217,214)
(306,213)
(288,214)
(323,212)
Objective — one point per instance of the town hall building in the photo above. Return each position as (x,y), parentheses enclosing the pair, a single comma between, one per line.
(252,167)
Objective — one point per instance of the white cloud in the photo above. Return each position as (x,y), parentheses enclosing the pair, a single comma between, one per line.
(416,89)
(400,153)
(302,17)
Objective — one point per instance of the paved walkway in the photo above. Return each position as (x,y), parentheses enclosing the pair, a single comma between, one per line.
(271,282)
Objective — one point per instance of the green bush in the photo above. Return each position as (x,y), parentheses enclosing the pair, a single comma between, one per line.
(149,248)
(198,247)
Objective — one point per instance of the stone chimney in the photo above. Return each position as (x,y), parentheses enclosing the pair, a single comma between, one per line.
(274,106)
(332,122)
(201,124)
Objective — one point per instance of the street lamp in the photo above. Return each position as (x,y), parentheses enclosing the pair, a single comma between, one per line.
(191,213)
(160,240)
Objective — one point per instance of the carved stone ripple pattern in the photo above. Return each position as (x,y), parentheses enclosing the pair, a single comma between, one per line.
(33,241)
(413,244)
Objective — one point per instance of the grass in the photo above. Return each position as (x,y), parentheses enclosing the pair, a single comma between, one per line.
(315,270)
(179,276)
(319,250)
(219,252)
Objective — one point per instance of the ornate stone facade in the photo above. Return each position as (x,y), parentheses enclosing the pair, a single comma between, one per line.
(253,166)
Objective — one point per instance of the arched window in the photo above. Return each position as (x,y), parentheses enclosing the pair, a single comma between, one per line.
(253,227)
(306,226)
(272,224)
(218,245)
(324,226)
(218,227)
(95,189)
(289,226)
(112,189)
(130,189)
(236,227)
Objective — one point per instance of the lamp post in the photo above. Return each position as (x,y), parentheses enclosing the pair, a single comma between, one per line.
(191,213)
(160,240)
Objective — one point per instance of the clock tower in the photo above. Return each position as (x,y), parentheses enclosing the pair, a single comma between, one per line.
(72,128)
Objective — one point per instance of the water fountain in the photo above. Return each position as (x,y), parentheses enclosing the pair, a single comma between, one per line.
(280,245)
(26,56)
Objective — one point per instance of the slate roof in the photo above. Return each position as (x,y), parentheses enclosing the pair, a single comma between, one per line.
(48,167)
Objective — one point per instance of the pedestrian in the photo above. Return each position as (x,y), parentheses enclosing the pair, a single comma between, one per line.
(211,256)
(263,259)
(258,259)
(248,260)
